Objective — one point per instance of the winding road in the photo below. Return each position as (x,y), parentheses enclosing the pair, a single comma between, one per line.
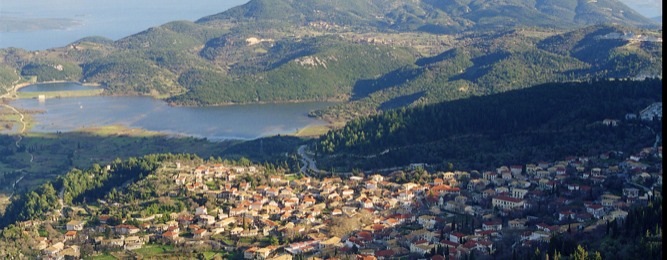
(308,162)
(20,133)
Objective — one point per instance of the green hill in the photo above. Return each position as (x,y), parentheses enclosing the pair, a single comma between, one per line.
(488,63)
(7,77)
(546,121)
(316,69)
(435,16)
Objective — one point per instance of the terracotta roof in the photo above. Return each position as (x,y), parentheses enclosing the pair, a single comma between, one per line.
(384,253)
(507,198)
(458,234)
(169,234)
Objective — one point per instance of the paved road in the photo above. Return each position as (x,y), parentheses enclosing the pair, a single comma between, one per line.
(308,162)
(309,165)
(14,186)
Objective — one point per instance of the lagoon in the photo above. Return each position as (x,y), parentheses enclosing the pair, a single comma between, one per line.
(214,123)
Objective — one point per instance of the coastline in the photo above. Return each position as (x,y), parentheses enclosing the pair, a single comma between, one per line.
(328,100)
(25,84)
(341,99)
(309,131)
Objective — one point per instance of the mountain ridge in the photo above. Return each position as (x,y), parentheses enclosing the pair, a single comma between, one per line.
(346,49)
(450,16)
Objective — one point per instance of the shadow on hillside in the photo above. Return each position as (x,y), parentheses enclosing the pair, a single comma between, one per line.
(363,88)
(55,154)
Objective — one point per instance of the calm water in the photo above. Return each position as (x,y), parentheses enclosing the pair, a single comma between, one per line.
(215,123)
(113,19)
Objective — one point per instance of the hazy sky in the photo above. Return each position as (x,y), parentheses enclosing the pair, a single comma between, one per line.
(648,8)
(113,19)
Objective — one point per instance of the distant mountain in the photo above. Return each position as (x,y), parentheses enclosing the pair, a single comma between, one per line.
(657,19)
(378,53)
(435,16)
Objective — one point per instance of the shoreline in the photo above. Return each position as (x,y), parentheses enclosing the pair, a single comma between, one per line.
(309,131)
(26,84)
(95,84)
(328,100)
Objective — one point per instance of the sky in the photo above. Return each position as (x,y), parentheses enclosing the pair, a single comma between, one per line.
(648,8)
(112,19)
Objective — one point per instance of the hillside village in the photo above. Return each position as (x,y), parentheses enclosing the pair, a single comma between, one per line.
(286,216)
(240,210)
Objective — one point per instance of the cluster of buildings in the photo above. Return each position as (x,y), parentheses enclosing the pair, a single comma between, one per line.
(630,36)
(651,113)
(390,219)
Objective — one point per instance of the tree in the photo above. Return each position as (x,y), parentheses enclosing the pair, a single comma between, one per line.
(538,254)
(274,240)
(607,227)
(580,253)
(107,232)
(569,229)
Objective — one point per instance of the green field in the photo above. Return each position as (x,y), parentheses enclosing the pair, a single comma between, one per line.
(61,94)
(312,131)
(9,120)
(102,257)
(152,251)
(119,130)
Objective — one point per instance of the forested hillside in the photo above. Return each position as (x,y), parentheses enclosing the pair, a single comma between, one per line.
(546,121)
(79,185)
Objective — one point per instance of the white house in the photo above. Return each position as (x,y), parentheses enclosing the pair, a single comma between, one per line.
(75,225)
